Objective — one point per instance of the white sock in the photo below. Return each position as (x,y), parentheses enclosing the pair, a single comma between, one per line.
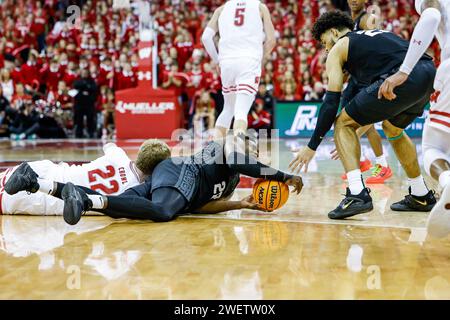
(381,160)
(97,201)
(46,186)
(444,179)
(363,157)
(355,182)
(418,186)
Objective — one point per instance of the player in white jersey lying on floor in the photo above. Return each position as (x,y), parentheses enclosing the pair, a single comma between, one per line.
(111,174)
(434,21)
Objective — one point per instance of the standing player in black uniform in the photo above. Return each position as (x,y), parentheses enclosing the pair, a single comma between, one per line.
(370,57)
(366,21)
(197,184)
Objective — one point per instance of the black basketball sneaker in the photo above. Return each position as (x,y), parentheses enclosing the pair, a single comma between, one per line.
(23,179)
(416,203)
(353,205)
(76,203)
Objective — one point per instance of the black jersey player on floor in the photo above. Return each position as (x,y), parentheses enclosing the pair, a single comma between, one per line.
(370,57)
(197,184)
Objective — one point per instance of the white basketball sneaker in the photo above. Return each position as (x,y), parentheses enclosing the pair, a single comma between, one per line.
(438,224)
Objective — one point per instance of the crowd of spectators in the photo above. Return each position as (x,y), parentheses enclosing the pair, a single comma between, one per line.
(69,69)
(55,64)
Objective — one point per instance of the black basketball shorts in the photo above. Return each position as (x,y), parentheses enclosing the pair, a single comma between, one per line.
(412,97)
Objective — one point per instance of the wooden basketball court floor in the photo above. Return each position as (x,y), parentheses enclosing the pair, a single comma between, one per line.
(295,253)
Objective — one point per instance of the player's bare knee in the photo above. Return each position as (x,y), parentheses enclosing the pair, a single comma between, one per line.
(344,120)
(391,131)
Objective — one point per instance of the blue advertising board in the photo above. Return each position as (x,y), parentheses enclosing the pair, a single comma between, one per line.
(297,119)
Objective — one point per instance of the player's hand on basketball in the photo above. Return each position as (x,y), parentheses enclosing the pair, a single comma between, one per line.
(250,203)
(303,158)
(387,88)
(297,183)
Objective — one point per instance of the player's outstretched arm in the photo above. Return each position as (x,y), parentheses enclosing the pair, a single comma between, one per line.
(329,107)
(243,163)
(421,39)
(219,206)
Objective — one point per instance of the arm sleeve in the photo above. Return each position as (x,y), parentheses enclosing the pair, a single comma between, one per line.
(208,42)
(325,120)
(421,39)
(249,166)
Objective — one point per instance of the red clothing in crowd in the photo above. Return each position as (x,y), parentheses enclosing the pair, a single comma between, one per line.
(38,25)
(259,119)
(196,82)
(65,101)
(184,50)
(212,82)
(183,77)
(30,73)
(126,80)
(51,77)
(16,75)
(69,77)
(104,74)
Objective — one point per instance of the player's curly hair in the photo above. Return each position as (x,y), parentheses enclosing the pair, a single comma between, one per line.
(151,152)
(333,19)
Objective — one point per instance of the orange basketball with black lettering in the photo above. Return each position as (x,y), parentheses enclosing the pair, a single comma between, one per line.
(270,195)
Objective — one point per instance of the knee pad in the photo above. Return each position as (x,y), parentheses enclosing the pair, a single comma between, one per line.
(430,155)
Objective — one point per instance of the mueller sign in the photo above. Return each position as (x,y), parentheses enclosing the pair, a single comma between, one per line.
(144,107)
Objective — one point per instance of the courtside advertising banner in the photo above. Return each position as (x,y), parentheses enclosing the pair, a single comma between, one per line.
(297,119)
(143,112)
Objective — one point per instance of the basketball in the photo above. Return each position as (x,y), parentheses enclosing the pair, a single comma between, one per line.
(270,195)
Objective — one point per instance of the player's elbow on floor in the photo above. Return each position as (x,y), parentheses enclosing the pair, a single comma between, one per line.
(164,218)
(165,215)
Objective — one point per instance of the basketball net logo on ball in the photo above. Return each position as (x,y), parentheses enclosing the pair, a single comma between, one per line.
(270,195)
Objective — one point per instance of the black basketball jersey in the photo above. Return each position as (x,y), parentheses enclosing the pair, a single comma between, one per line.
(357,26)
(216,179)
(201,178)
(374,53)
